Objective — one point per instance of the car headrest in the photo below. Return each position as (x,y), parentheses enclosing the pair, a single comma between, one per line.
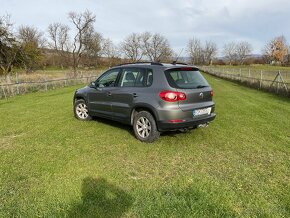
(130,76)
(150,79)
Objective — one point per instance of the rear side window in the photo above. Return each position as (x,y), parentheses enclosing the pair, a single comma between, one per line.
(136,77)
(185,78)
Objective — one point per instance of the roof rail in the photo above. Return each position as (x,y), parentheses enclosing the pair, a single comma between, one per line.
(141,62)
(180,63)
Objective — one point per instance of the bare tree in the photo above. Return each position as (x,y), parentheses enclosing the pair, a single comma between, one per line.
(10,49)
(268,53)
(209,52)
(59,36)
(243,50)
(83,23)
(195,51)
(92,43)
(29,34)
(156,47)
(59,41)
(230,52)
(110,50)
(92,48)
(276,50)
(132,47)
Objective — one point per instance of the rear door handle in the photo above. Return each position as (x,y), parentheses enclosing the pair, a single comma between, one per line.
(135,95)
(109,93)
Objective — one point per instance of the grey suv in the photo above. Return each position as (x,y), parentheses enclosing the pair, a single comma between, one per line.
(152,97)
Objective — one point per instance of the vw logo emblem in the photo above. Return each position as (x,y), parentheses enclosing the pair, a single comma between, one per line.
(201,95)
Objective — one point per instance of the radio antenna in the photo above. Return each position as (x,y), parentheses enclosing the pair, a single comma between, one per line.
(174,62)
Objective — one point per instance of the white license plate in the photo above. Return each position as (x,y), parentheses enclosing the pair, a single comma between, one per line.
(202,111)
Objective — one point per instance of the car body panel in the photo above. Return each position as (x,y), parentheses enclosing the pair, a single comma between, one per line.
(100,101)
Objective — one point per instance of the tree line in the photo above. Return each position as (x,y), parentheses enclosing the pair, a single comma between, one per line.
(81,45)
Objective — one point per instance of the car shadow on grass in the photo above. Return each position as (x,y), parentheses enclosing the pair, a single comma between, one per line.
(129,128)
(115,124)
(101,199)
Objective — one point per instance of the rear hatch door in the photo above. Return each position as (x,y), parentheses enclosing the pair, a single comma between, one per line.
(191,82)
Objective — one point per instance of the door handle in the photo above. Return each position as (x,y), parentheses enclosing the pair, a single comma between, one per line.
(135,95)
(109,93)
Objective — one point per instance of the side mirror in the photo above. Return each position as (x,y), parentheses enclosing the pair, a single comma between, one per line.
(96,85)
(93,85)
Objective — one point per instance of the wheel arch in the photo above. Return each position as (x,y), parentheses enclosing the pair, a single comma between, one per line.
(143,107)
(79,97)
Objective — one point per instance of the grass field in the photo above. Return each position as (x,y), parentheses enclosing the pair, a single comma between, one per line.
(257,67)
(254,71)
(52,165)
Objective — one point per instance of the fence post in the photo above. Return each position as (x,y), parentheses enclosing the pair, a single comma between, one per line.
(278,81)
(65,81)
(45,84)
(17,84)
(89,76)
(261,78)
(3,89)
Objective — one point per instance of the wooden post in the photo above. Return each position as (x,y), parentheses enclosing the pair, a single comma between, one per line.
(17,84)
(284,84)
(3,89)
(65,81)
(278,81)
(45,84)
(261,78)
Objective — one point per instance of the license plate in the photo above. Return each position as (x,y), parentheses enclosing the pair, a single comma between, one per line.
(202,111)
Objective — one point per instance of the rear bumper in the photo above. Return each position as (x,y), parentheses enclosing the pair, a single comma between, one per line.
(165,126)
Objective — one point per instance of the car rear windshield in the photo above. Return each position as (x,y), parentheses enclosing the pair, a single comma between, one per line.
(185,78)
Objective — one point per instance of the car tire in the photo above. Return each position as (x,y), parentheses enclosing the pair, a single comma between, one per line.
(81,111)
(145,128)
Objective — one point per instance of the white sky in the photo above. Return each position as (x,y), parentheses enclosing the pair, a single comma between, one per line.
(222,21)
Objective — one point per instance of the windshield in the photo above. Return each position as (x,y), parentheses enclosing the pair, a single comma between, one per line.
(185,79)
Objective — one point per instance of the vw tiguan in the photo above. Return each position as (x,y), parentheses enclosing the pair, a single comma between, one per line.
(152,97)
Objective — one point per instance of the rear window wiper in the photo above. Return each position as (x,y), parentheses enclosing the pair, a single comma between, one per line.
(201,86)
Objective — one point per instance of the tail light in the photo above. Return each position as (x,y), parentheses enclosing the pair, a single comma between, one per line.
(211,93)
(172,96)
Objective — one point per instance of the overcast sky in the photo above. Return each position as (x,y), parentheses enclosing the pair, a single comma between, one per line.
(256,21)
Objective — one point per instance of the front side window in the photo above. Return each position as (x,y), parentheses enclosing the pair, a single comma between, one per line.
(108,79)
(136,77)
(185,78)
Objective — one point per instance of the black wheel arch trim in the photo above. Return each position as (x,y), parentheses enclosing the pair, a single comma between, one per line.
(144,106)
(79,96)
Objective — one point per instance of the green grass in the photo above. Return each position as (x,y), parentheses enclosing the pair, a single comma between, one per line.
(269,71)
(52,165)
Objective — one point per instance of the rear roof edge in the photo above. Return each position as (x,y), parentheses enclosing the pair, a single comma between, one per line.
(193,68)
